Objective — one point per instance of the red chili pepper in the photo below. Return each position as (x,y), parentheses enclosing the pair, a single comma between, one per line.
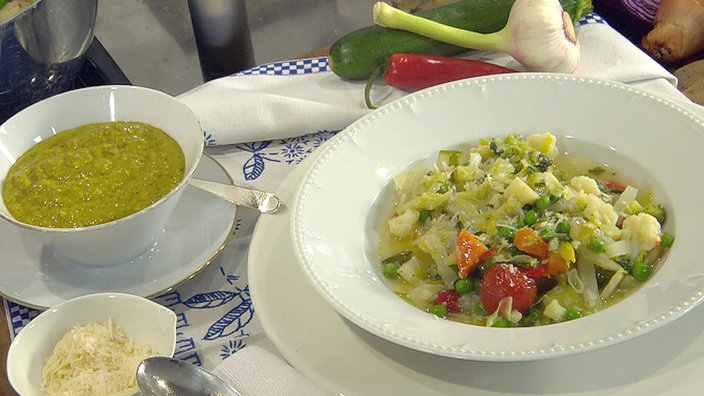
(410,72)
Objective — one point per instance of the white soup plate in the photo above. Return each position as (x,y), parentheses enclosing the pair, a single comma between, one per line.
(343,199)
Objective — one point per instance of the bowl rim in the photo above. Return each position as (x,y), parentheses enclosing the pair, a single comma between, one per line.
(111,88)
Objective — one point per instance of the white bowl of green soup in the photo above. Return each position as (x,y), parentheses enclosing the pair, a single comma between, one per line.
(94,174)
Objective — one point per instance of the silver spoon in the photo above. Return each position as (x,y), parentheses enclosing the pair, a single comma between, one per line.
(162,375)
(263,201)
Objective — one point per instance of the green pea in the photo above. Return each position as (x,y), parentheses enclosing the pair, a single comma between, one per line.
(531,217)
(464,285)
(573,313)
(641,271)
(596,245)
(439,310)
(501,322)
(548,233)
(667,240)
(507,232)
(563,227)
(390,270)
(543,202)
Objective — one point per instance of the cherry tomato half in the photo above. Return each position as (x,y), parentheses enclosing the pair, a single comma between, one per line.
(504,280)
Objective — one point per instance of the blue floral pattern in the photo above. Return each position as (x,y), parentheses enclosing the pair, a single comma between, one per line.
(289,151)
(208,139)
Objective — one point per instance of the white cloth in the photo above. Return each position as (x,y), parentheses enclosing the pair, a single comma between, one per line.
(255,107)
(255,371)
(249,108)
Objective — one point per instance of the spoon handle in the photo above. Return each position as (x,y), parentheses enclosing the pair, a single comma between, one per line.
(263,201)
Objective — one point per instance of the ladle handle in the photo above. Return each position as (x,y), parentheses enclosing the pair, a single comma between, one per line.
(263,201)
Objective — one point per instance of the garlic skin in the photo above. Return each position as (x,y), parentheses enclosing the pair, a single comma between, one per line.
(542,36)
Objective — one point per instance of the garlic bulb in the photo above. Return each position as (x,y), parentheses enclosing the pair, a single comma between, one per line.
(542,37)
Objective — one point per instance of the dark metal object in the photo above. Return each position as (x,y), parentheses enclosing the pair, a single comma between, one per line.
(222,36)
(99,68)
(42,49)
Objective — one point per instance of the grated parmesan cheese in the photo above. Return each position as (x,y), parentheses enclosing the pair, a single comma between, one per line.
(95,359)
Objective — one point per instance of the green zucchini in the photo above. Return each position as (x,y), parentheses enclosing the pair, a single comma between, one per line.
(357,55)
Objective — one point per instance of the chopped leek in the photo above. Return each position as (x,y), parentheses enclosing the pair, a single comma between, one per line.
(590,245)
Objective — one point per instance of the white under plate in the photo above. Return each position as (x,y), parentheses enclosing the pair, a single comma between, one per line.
(344,359)
(343,199)
(196,232)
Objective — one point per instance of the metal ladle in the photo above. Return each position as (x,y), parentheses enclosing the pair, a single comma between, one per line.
(160,375)
(263,201)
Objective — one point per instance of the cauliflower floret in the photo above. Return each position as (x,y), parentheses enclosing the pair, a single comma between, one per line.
(404,224)
(642,231)
(586,184)
(555,311)
(519,190)
(599,212)
(543,142)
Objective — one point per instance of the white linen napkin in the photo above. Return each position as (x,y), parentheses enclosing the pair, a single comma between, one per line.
(294,98)
(255,371)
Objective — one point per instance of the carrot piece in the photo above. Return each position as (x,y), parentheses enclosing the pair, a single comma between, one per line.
(468,250)
(529,241)
(556,264)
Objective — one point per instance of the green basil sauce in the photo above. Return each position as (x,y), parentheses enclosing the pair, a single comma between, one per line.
(93,174)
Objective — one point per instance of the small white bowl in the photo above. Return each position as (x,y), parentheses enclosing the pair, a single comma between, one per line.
(125,238)
(144,321)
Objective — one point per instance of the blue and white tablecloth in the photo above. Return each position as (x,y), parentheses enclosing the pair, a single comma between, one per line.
(261,123)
